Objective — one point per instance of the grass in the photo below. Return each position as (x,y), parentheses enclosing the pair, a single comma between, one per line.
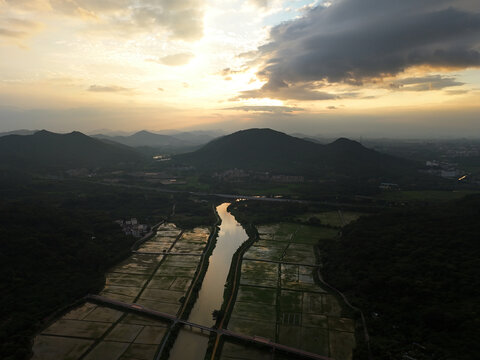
(291,301)
(151,335)
(317,341)
(251,294)
(124,333)
(107,350)
(341,344)
(252,311)
(80,312)
(251,327)
(50,347)
(312,234)
(132,280)
(140,352)
(167,296)
(231,351)
(77,328)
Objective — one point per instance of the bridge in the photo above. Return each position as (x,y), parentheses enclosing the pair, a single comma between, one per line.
(175,320)
(166,253)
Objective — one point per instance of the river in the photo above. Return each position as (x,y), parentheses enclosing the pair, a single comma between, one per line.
(191,345)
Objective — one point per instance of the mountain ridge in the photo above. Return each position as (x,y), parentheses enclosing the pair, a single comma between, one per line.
(45,149)
(270,150)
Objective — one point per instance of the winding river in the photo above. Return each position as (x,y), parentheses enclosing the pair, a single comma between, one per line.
(191,345)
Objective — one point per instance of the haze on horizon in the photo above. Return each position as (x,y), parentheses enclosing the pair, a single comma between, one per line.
(407,68)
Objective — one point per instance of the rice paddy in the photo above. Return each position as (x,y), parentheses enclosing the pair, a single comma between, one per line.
(280,300)
(149,277)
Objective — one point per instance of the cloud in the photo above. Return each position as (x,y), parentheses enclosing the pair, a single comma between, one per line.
(303,92)
(17,28)
(181,19)
(12,33)
(270,109)
(259,3)
(357,41)
(229,71)
(176,59)
(109,89)
(457,92)
(427,83)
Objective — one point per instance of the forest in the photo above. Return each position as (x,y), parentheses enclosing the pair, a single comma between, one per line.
(414,272)
(57,239)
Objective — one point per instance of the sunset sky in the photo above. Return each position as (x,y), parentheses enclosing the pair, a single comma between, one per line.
(408,68)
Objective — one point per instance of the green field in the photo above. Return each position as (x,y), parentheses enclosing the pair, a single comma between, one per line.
(282,302)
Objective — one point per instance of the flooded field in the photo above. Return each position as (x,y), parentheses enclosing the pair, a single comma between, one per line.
(278,298)
(149,278)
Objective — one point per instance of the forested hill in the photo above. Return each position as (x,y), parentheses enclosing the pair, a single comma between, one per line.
(46,150)
(416,275)
(270,150)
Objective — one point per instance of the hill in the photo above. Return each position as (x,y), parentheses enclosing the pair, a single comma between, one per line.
(273,151)
(415,274)
(47,150)
(145,138)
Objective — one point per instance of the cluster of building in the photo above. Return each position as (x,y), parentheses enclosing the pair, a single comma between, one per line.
(240,175)
(443,169)
(132,227)
(463,150)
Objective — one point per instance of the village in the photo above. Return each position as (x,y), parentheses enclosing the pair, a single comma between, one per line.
(132,227)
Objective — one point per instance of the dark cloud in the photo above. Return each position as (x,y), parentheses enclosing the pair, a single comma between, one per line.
(284,91)
(270,109)
(355,41)
(109,89)
(176,59)
(426,83)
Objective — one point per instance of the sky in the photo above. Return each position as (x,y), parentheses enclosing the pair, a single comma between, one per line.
(394,68)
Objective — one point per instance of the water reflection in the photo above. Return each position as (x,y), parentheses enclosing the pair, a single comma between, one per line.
(192,345)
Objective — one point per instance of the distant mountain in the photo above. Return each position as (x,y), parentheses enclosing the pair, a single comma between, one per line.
(145,138)
(196,137)
(45,149)
(168,140)
(18,132)
(269,150)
